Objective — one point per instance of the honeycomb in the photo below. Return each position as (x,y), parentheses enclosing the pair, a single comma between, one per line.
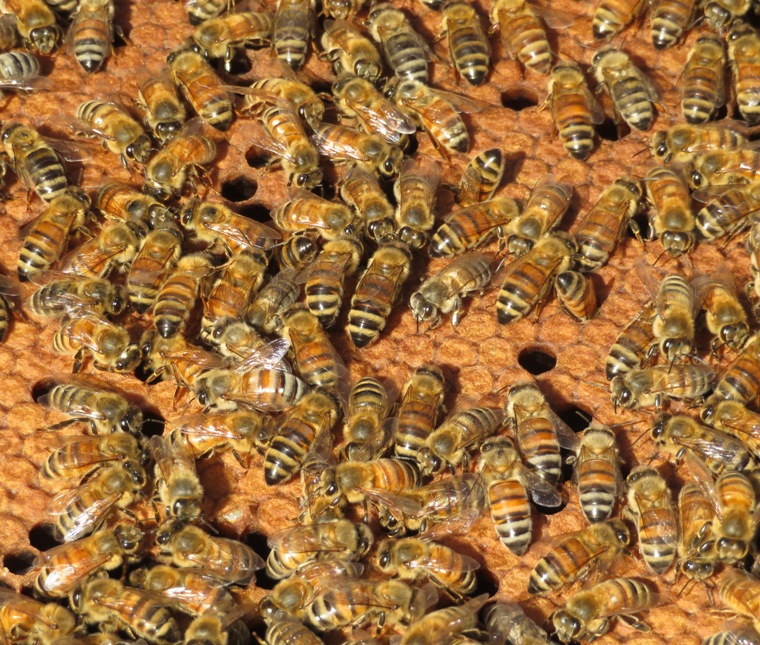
(478,356)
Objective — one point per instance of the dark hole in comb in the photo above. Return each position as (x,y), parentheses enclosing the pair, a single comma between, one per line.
(576,418)
(19,562)
(518,100)
(42,536)
(608,130)
(240,64)
(536,360)
(240,189)
(40,388)
(256,157)
(258,542)
(256,212)
(153,424)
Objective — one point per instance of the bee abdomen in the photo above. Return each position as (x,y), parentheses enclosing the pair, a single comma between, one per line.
(510,511)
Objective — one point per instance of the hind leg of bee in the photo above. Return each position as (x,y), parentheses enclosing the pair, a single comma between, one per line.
(439,147)
(634,622)
(80,359)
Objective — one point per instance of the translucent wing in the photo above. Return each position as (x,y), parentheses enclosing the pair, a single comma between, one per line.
(245,232)
(298,539)
(457,524)
(86,519)
(84,21)
(207,425)
(65,569)
(336,141)
(9,287)
(553,18)
(169,457)
(384,118)
(268,356)
(442,563)
(541,491)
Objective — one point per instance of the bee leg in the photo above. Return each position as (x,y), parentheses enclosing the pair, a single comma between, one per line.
(122,36)
(634,622)
(80,358)
(239,459)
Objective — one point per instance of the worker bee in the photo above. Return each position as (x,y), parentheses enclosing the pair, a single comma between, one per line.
(744,56)
(405,50)
(576,295)
(36,24)
(546,206)
(121,134)
(725,317)
(292,31)
(298,251)
(650,506)
(576,555)
(65,567)
(449,444)
(612,16)
(349,51)
(90,36)
(377,291)
(444,292)
(220,37)
(21,71)
(469,48)
(25,620)
(722,13)
(725,167)
(481,178)
(180,160)
(366,432)
(80,511)
(523,33)
(200,10)
(80,455)
(508,620)
(735,522)
(670,20)
(415,193)
(109,603)
(301,545)
(510,486)
(218,627)
(175,299)
(10,292)
(189,547)
(740,592)
(361,189)
(734,634)
(696,552)
(737,420)
(703,89)
(177,484)
(123,203)
(49,234)
(596,473)
(201,87)
(680,143)
(358,98)
(282,630)
(154,263)
(631,92)
(115,245)
(740,381)
(726,211)
(274,298)
(632,345)
(642,388)
(528,279)
(587,612)
(438,626)
(308,212)
(673,220)
(85,333)
(413,558)
(282,83)
(164,112)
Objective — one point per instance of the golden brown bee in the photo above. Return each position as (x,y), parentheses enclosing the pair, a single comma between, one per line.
(36,24)
(283,84)
(189,547)
(308,212)
(113,606)
(356,482)
(180,160)
(722,13)
(612,16)
(577,555)
(508,620)
(469,48)
(272,300)
(82,510)
(602,227)
(377,292)
(201,87)
(405,50)
(23,620)
(632,345)
(85,333)
(631,92)
(444,292)
(298,251)
(725,167)
(35,162)
(121,134)
(444,624)
(219,627)
(292,31)
(115,245)
(576,295)
(642,388)
(155,261)
(366,431)
(49,235)
(596,473)
(282,630)
(696,552)
(522,33)
(481,178)
(350,52)
(735,523)
(575,110)
(740,592)
(681,142)
(360,188)
(65,567)
(295,547)
(546,206)
(725,317)
(412,559)
(415,193)
(177,484)
(164,112)
(90,36)
(80,455)
(703,89)
(727,211)
(176,297)
(220,37)
(670,21)
(200,10)
(125,204)
(744,56)
(672,220)
(21,71)
(473,226)
(650,506)
(736,419)
(528,279)
(587,613)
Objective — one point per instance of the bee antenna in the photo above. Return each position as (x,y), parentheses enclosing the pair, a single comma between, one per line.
(642,151)
(599,385)
(680,592)
(658,258)
(642,434)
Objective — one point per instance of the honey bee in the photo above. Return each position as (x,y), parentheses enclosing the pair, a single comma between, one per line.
(201,87)
(292,31)
(36,24)
(115,245)
(189,547)
(587,612)
(49,234)
(405,50)
(469,48)
(510,486)
(121,134)
(284,631)
(740,381)
(481,178)
(297,252)
(670,20)
(631,92)
(220,628)
(523,33)
(21,71)
(642,388)
(680,143)
(377,292)
(727,211)
(301,545)
(576,555)
(744,56)
(80,455)
(176,297)
(650,506)
(612,16)
(366,432)
(739,634)
(123,203)
(415,193)
(735,523)
(200,10)
(508,620)
(82,510)
(444,292)
(632,345)
(177,484)
(360,189)
(703,89)
(179,161)
(274,298)
(308,212)
(36,163)
(154,263)
(576,295)
(725,317)
(722,13)
(673,220)
(445,624)
(596,473)
(547,205)
(220,37)
(65,567)
(112,605)
(696,548)
(25,620)
(725,167)
(164,112)
(449,444)
(740,592)
(528,279)
(90,36)
(737,420)
(283,84)
(86,333)
(9,294)
(349,51)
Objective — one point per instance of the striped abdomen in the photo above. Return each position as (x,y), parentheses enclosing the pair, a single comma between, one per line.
(669,21)
(523,287)
(747,90)
(288,450)
(42,171)
(157,257)
(416,420)
(632,101)
(538,443)
(573,120)
(703,85)
(741,380)
(92,33)
(658,537)
(175,301)
(510,512)
(272,390)
(526,37)
(46,241)
(291,32)
(406,56)
(630,347)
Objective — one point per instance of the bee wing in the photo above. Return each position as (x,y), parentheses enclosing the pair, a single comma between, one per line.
(268,356)
(260,400)
(245,231)
(88,518)
(565,435)
(723,447)
(425,168)
(296,539)
(336,147)
(29,84)
(541,491)
(22,604)
(66,569)
(443,563)
(552,18)
(457,524)
(92,14)
(650,282)
(169,457)
(396,503)
(10,287)
(384,117)
(204,425)
(652,90)
(201,357)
